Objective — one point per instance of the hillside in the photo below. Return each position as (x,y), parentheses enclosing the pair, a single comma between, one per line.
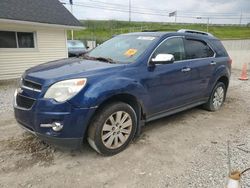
(101,30)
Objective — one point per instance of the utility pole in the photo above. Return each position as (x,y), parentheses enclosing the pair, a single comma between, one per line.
(71,9)
(207,23)
(200,17)
(129,10)
(175,19)
(240,17)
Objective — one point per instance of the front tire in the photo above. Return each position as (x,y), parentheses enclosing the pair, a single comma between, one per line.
(112,128)
(216,98)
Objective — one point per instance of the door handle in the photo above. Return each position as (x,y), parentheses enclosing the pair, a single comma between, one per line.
(187,69)
(213,63)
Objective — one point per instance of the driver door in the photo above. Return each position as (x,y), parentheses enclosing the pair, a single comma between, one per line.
(169,84)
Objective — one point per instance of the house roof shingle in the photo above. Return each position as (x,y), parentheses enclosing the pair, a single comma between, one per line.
(41,11)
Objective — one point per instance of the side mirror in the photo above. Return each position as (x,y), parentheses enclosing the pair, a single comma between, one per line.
(162,59)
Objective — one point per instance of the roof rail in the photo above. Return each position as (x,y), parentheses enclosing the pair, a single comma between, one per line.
(149,30)
(194,32)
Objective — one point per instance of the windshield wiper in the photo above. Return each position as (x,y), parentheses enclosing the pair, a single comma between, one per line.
(109,60)
(85,56)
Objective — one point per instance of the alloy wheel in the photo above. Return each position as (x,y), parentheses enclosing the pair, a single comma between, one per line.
(218,97)
(116,129)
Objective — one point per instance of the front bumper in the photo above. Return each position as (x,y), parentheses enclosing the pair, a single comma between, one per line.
(72,143)
(75,121)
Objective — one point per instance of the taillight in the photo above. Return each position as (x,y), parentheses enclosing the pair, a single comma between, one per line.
(230,61)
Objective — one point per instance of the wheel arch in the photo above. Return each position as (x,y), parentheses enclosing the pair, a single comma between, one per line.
(128,99)
(224,79)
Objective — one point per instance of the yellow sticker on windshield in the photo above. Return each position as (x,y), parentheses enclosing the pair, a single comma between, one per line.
(130,52)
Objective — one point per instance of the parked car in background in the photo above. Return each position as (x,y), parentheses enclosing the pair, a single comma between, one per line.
(108,94)
(76,48)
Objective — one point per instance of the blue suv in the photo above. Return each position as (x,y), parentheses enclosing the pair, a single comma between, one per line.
(108,94)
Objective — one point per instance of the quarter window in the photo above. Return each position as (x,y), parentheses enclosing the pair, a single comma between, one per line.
(220,50)
(197,49)
(172,46)
(12,39)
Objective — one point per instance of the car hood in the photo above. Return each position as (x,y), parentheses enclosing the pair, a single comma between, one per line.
(67,69)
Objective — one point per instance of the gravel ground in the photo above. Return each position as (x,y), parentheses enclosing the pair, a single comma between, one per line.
(7,89)
(188,149)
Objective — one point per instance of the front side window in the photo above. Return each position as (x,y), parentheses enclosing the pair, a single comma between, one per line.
(197,49)
(12,39)
(174,46)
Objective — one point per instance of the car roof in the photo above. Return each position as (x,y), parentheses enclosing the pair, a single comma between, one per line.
(153,34)
(169,34)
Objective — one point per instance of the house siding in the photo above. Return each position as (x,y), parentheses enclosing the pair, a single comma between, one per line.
(50,45)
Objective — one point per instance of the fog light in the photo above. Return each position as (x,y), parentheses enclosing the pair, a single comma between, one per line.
(56,126)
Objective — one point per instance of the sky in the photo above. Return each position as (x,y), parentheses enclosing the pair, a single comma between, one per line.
(214,11)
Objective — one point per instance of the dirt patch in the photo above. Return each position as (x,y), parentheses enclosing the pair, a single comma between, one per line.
(24,152)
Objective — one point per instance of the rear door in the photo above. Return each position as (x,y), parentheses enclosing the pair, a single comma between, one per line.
(202,63)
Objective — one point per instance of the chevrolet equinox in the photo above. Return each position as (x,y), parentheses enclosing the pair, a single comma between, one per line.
(109,93)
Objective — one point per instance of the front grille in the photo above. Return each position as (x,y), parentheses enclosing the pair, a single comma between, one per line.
(24,102)
(31,85)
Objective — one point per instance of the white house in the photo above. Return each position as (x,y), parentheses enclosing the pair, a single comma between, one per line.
(32,32)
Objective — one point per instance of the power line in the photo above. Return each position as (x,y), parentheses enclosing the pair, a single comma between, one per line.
(134,7)
(162,11)
(234,18)
(117,9)
(128,10)
(212,13)
(165,10)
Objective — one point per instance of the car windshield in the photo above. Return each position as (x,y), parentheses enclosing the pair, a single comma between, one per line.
(75,44)
(123,48)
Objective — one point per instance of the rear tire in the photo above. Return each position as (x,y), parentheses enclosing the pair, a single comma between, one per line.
(112,128)
(216,98)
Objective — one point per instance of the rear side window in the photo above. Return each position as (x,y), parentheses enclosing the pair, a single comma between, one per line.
(220,50)
(197,49)
(174,46)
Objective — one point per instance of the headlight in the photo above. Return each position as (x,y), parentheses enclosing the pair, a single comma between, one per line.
(64,90)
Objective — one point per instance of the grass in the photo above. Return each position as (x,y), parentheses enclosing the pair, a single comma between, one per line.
(101,30)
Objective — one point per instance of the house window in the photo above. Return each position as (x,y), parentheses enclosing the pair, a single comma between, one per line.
(8,39)
(12,39)
(25,40)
